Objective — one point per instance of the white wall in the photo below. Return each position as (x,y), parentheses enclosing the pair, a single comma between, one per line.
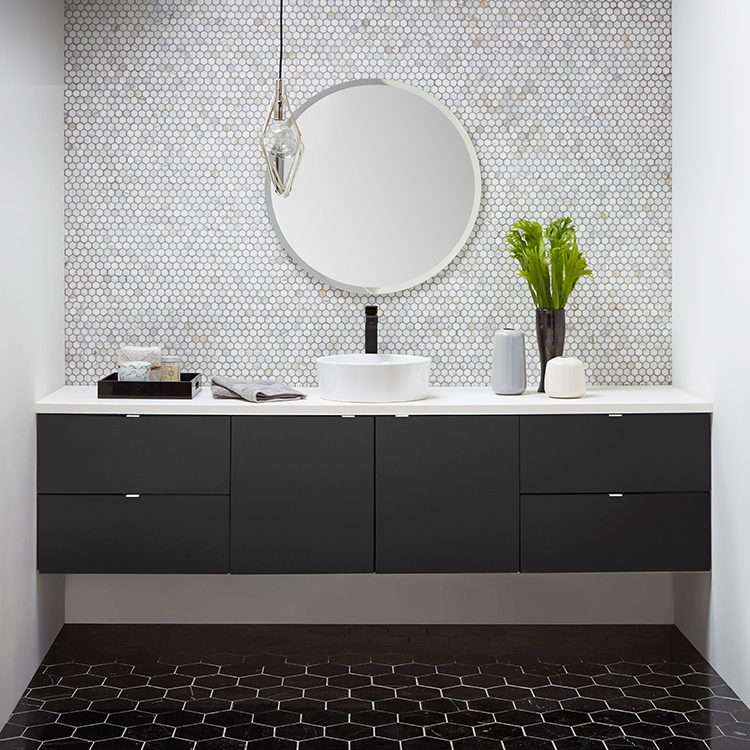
(31,319)
(711,68)
(511,598)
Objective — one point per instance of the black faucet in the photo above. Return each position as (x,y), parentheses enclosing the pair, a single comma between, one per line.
(371,329)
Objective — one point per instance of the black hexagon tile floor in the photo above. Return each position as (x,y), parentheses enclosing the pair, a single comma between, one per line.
(252,687)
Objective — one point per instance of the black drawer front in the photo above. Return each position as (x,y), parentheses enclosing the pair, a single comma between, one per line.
(302,494)
(105,454)
(630,453)
(587,533)
(146,534)
(447,494)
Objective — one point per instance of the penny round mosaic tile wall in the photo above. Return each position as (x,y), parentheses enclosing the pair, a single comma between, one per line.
(168,241)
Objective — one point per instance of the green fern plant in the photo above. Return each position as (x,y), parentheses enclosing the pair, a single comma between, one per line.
(551,272)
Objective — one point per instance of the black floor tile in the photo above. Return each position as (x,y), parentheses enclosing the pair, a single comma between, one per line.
(437,687)
(630,743)
(220,743)
(680,743)
(324,718)
(444,705)
(499,731)
(319,743)
(374,743)
(98,732)
(299,731)
(48,732)
(119,743)
(647,731)
(64,744)
(476,743)
(548,731)
(470,718)
(349,731)
(449,731)
(528,743)
(580,743)
(426,743)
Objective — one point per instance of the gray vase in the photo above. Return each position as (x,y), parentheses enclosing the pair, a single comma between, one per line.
(550,333)
(508,363)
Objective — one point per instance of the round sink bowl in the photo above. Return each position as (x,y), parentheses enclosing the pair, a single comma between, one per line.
(373,378)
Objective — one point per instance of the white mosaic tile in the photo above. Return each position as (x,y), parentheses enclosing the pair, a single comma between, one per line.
(168,240)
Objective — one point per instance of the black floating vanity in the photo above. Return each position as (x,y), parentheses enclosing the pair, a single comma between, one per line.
(457,483)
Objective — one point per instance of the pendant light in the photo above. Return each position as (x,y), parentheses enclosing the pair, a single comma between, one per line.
(281,140)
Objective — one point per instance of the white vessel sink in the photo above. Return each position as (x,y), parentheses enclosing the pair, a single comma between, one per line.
(373,378)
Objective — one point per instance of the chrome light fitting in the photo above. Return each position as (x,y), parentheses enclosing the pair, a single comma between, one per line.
(281,140)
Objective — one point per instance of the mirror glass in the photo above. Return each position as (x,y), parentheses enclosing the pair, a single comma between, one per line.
(387,192)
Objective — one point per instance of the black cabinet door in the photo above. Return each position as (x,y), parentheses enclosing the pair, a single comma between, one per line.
(146,534)
(302,494)
(447,494)
(84,454)
(586,533)
(628,453)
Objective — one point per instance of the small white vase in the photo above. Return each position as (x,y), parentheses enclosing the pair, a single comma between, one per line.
(565,377)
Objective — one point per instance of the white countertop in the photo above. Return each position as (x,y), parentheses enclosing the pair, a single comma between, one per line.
(82,399)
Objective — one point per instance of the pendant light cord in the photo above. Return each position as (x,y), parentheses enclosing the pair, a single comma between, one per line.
(281,34)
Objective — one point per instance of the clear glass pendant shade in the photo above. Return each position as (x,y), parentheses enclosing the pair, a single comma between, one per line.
(280,139)
(281,142)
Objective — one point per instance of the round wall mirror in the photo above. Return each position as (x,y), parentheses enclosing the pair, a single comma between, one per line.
(387,192)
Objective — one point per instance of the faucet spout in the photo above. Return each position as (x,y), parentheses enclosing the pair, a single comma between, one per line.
(371,329)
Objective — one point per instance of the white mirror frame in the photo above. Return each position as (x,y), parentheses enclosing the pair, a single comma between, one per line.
(291,219)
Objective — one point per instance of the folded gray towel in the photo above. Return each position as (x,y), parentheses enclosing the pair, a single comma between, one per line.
(253,390)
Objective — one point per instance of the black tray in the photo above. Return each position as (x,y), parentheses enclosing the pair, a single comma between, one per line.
(111,387)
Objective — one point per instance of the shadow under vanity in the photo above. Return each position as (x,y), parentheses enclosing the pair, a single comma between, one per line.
(462,482)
